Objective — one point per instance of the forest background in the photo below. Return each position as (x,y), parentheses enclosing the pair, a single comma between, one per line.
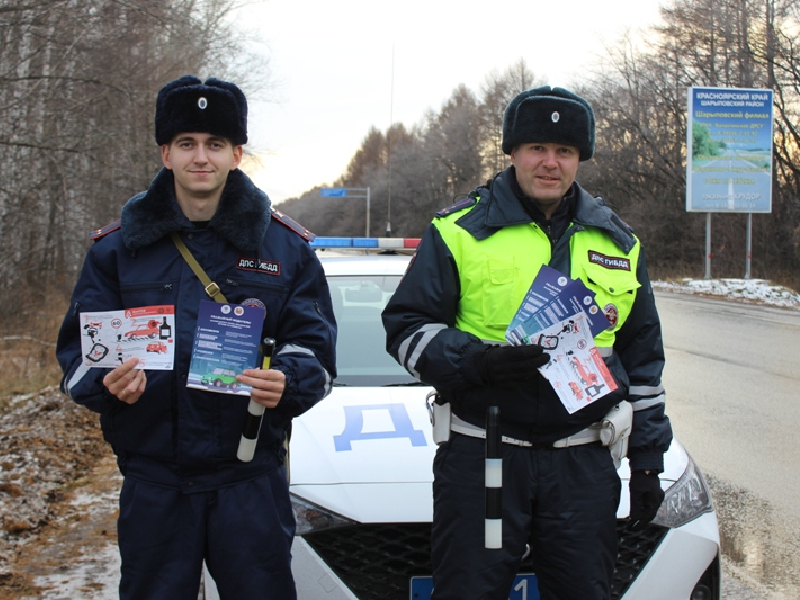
(77,86)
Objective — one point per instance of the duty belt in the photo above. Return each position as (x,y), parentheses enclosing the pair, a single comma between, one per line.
(585,436)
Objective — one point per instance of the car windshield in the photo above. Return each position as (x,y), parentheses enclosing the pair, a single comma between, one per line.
(361,357)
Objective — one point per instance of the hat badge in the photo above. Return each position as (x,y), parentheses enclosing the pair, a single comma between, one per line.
(555,116)
(202,103)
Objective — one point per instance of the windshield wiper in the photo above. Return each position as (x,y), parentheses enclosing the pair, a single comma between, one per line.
(410,384)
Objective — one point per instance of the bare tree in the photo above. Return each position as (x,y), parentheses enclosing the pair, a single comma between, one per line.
(78,82)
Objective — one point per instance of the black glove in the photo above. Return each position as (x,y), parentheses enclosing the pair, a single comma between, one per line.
(500,365)
(646,497)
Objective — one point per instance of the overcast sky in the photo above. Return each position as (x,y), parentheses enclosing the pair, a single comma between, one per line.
(342,66)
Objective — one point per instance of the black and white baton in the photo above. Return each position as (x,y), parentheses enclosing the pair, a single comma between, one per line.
(255,411)
(494,480)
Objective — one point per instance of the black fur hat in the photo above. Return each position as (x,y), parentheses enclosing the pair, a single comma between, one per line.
(552,115)
(188,105)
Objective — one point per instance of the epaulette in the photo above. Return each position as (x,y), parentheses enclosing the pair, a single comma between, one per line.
(470,200)
(104,231)
(287,221)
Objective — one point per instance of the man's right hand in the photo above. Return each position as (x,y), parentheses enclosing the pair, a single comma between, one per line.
(126,382)
(501,365)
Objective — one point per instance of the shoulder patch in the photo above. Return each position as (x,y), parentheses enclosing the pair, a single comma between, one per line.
(287,221)
(460,205)
(104,231)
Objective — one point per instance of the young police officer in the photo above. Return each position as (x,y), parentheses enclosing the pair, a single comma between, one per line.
(186,497)
(446,325)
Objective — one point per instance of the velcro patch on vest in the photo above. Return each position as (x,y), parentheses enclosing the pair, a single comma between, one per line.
(270,267)
(609,262)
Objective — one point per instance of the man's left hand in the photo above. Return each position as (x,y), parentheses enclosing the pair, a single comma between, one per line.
(267,384)
(646,497)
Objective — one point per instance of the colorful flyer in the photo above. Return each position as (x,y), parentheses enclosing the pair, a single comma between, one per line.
(576,370)
(110,338)
(560,314)
(552,298)
(226,343)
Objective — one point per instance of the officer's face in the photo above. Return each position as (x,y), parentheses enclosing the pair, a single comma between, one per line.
(201,163)
(545,172)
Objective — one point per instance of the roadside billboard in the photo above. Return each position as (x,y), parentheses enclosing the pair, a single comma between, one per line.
(729,150)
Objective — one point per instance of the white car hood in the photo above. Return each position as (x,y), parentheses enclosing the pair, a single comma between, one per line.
(367,454)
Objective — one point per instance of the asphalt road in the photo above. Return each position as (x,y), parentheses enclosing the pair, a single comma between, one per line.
(732,378)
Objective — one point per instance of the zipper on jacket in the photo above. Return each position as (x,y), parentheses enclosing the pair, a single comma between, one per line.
(162,287)
(265,286)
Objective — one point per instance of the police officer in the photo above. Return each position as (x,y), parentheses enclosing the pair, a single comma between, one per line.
(186,497)
(446,325)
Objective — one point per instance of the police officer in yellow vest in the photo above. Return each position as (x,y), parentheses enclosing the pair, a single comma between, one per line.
(446,325)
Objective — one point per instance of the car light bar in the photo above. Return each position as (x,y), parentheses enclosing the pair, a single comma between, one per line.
(366,243)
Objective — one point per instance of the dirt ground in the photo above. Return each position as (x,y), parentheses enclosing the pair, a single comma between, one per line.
(58,501)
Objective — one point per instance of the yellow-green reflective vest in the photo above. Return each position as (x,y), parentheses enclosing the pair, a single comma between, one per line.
(495,274)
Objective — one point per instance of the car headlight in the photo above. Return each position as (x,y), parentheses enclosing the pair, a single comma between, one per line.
(311,517)
(686,500)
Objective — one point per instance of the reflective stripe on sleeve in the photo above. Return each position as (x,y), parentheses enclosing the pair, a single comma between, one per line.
(328,382)
(646,390)
(76,378)
(423,335)
(647,403)
(295,349)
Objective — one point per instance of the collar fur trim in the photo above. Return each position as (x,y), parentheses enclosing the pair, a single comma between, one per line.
(242,218)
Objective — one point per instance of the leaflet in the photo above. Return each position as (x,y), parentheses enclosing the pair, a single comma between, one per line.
(226,342)
(576,370)
(560,314)
(110,338)
(552,298)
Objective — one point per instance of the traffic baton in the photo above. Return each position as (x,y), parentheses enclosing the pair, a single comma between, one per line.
(494,480)
(255,411)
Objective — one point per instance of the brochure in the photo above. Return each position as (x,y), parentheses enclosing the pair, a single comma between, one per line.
(552,298)
(560,314)
(576,370)
(226,342)
(110,338)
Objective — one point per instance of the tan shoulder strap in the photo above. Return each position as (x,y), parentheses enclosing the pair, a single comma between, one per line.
(212,289)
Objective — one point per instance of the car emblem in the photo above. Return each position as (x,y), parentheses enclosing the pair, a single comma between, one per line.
(555,116)
(202,103)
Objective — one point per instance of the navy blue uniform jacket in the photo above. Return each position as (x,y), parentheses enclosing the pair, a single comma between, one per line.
(176,435)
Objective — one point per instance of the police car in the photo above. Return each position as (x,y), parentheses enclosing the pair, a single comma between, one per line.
(360,469)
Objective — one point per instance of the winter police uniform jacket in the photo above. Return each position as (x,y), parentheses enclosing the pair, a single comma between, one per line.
(177,435)
(422,318)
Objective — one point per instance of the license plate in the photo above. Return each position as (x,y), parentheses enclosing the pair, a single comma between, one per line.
(524,588)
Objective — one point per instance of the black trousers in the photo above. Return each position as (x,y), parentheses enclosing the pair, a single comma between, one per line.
(561,501)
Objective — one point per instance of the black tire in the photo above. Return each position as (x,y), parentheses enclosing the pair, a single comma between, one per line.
(217,383)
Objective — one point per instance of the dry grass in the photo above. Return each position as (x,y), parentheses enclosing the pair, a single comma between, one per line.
(28,350)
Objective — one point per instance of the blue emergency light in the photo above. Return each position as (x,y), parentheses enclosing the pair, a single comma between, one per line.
(365,243)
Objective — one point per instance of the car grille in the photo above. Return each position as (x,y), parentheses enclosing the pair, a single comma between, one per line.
(376,561)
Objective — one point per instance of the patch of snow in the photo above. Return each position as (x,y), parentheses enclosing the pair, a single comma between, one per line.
(95,578)
(749,290)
